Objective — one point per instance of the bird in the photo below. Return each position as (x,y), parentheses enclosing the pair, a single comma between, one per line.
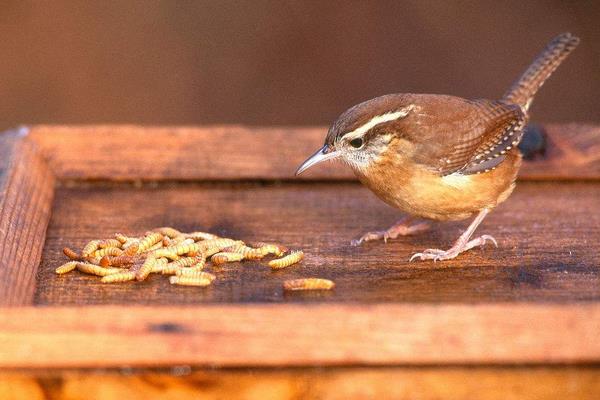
(439,157)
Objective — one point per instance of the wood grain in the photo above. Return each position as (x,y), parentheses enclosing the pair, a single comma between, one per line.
(125,152)
(545,232)
(26,189)
(427,383)
(298,334)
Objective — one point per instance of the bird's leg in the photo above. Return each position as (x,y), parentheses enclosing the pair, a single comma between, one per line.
(401,228)
(462,244)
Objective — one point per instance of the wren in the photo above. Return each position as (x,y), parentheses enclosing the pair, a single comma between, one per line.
(440,157)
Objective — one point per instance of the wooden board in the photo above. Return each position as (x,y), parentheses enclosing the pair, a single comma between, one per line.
(539,259)
(535,299)
(428,383)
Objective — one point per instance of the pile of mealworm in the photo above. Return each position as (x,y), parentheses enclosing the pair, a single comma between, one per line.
(181,256)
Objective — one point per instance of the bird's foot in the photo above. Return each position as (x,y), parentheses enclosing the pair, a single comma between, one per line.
(401,228)
(459,247)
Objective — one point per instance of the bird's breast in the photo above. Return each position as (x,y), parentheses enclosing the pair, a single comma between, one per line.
(421,192)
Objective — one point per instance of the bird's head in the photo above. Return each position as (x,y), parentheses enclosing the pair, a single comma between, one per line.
(362,134)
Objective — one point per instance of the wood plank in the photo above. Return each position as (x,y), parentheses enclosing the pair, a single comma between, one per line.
(124,152)
(546,233)
(26,189)
(298,335)
(427,383)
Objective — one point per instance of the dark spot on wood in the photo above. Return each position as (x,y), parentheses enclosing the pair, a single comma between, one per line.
(526,277)
(166,327)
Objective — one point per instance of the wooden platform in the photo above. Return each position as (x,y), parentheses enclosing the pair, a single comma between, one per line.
(533,300)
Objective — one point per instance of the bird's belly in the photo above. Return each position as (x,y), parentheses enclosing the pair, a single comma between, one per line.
(453,197)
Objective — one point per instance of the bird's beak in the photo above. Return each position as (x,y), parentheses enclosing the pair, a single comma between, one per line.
(324,153)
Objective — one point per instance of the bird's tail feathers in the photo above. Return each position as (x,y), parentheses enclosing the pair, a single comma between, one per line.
(523,90)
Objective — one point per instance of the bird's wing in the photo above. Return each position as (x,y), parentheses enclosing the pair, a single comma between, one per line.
(473,137)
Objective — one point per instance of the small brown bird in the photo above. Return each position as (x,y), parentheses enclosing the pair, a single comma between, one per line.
(440,157)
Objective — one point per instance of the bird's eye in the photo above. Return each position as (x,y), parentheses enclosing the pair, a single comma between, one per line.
(356,143)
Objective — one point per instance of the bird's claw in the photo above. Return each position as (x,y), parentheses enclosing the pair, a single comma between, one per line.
(367,237)
(454,251)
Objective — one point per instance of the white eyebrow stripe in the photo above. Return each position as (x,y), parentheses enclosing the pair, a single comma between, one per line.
(380,119)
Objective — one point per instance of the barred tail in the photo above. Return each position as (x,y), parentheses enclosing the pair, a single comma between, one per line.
(523,90)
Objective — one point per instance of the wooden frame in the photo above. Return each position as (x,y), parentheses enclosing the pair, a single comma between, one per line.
(34,159)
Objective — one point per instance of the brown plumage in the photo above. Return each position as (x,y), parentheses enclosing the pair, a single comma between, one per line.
(440,157)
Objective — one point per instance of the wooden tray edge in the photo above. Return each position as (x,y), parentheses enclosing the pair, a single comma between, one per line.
(298,335)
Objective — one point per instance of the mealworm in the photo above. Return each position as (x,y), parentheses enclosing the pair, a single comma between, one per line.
(109,243)
(159,265)
(96,269)
(121,238)
(146,268)
(107,251)
(271,248)
(292,258)
(132,249)
(185,262)
(222,258)
(156,246)
(198,267)
(89,248)
(92,260)
(185,248)
(149,240)
(168,231)
(197,274)
(67,267)
(197,236)
(117,261)
(191,280)
(247,252)
(221,243)
(166,252)
(120,277)
(71,254)
(210,251)
(308,284)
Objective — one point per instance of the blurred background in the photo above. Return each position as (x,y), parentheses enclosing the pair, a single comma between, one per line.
(273,62)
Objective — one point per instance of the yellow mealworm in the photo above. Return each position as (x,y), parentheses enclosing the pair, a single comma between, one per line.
(109,243)
(118,261)
(292,258)
(190,280)
(186,248)
(159,265)
(271,248)
(71,254)
(166,252)
(221,243)
(92,260)
(196,274)
(247,252)
(308,284)
(185,262)
(197,236)
(89,248)
(67,267)
(168,231)
(221,258)
(107,251)
(149,240)
(96,269)
(157,246)
(120,277)
(146,268)
(121,238)
(210,251)
(194,269)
